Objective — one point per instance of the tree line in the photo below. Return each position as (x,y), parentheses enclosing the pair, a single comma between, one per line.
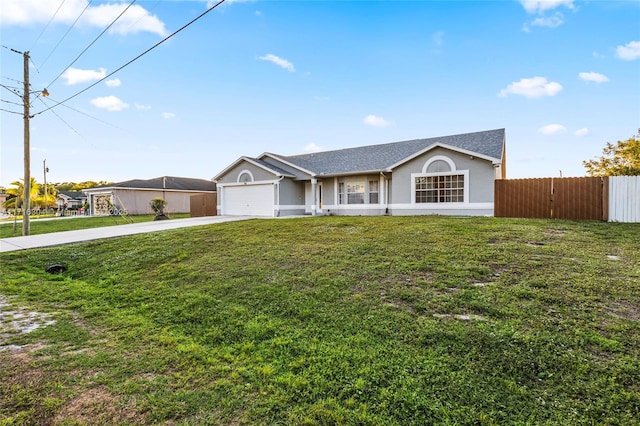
(37,195)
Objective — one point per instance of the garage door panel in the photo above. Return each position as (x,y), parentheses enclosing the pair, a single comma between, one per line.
(248,200)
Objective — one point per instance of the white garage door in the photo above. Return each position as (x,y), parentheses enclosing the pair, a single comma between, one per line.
(248,200)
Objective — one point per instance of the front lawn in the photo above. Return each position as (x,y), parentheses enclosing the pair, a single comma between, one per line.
(329,320)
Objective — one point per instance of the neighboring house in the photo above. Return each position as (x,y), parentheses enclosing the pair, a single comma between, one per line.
(134,196)
(449,175)
(73,200)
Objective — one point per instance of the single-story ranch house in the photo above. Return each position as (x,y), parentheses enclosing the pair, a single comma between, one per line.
(448,175)
(134,196)
(74,200)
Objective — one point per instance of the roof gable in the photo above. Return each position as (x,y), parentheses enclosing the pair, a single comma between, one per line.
(256,162)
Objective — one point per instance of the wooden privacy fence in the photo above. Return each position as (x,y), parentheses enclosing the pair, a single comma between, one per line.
(583,198)
(203,205)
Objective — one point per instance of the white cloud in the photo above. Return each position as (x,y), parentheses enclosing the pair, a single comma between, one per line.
(136,19)
(549,21)
(110,103)
(535,87)
(283,63)
(629,52)
(142,107)
(168,115)
(312,147)
(593,77)
(540,6)
(374,120)
(27,12)
(113,83)
(581,132)
(552,129)
(76,75)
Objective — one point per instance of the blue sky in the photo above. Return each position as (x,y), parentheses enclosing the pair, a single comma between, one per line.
(561,76)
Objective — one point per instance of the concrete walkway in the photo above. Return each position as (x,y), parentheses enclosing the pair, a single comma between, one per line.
(58,238)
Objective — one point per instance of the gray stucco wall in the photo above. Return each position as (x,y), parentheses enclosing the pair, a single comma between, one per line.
(481,176)
(328,192)
(258,173)
(136,201)
(291,193)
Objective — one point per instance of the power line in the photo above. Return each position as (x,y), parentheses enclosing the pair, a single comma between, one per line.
(47,26)
(91,44)
(65,34)
(136,58)
(9,102)
(14,90)
(12,112)
(92,117)
(68,125)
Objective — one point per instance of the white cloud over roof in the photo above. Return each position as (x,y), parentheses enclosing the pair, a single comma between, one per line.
(552,129)
(535,87)
(375,121)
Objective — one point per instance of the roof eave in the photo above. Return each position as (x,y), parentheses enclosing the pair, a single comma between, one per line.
(446,146)
(248,160)
(278,158)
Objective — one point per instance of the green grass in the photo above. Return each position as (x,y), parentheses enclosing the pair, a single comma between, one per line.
(332,320)
(39,226)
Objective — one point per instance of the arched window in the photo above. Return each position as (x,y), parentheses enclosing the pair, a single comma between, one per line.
(440,182)
(245,176)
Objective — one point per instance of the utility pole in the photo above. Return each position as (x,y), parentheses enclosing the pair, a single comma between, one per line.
(26,203)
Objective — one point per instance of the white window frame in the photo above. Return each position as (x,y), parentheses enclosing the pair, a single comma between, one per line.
(245,172)
(452,172)
(376,192)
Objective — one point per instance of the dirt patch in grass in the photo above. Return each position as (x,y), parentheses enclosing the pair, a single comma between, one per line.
(98,406)
(16,320)
(625,310)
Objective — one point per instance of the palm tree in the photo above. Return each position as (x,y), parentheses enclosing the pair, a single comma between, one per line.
(50,201)
(18,193)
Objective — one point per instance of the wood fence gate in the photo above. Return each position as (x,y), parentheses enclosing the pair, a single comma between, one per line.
(203,205)
(583,198)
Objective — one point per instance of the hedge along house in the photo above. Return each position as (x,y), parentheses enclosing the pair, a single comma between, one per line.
(449,175)
(134,196)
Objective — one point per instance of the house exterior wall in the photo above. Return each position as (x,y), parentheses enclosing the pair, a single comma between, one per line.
(331,196)
(138,201)
(258,173)
(478,186)
(290,197)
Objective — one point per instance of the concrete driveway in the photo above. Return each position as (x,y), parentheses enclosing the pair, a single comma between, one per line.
(58,238)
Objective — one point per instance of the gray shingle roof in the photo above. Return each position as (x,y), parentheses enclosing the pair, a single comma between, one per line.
(271,167)
(381,157)
(166,182)
(73,194)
